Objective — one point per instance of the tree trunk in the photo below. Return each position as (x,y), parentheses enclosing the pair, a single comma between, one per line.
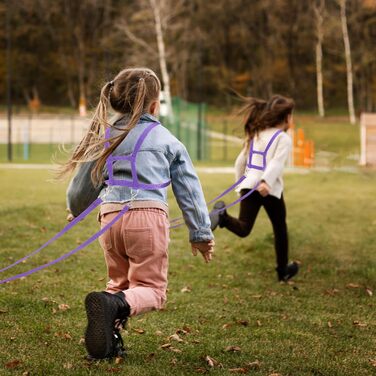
(346,41)
(162,56)
(320,36)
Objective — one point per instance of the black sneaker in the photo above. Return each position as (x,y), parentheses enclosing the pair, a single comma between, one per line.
(102,337)
(217,215)
(286,273)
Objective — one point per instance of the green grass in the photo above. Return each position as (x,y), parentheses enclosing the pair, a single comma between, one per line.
(319,325)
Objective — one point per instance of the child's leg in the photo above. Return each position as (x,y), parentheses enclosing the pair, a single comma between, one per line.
(114,253)
(146,236)
(249,208)
(276,211)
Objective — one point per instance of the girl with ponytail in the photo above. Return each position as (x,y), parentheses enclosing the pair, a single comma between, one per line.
(267,145)
(131,160)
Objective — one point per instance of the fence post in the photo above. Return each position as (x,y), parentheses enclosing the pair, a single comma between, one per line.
(199,132)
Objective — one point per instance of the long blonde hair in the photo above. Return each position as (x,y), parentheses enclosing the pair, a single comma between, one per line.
(130,92)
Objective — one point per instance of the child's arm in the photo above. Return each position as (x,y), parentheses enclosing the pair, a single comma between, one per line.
(81,191)
(188,192)
(275,166)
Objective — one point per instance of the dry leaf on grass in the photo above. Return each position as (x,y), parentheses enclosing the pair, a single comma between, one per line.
(233,349)
(2,310)
(369,291)
(359,324)
(63,307)
(373,362)
(13,364)
(353,286)
(275,374)
(26,373)
(68,365)
(186,289)
(119,360)
(175,337)
(158,333)
(139,330)
(211,362)
(258,322)
(330,325)
(242,322)
(165,346)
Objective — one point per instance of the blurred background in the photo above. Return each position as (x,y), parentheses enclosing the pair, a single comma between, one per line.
(58,54)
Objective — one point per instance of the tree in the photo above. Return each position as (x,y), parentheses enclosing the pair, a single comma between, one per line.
(349,70)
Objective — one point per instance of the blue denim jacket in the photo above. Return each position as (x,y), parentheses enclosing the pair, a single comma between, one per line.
(162,157)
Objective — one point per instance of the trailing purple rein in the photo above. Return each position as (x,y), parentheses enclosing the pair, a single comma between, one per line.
(134,183)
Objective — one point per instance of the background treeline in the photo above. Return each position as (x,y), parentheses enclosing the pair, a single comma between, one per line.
(63,50)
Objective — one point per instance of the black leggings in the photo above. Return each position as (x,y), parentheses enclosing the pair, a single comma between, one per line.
(276,210)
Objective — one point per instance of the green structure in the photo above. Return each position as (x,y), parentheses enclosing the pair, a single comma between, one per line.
(189,126)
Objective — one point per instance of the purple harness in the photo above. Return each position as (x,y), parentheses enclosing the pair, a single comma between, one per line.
(134,183)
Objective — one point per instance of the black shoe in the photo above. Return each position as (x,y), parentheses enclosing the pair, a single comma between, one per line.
(217,216)
(102,338)
(284,274)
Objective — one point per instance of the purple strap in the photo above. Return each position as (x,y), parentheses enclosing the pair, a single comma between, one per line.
(63,257)
(134,183)
(95,204)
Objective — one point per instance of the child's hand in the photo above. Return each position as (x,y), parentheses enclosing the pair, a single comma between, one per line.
(205,248)
(70,216)
(263,188)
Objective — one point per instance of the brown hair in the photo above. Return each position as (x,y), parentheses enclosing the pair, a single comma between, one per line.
(130,92)
(261,114)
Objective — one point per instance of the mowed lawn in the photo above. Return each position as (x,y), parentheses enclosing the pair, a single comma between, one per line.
(232,310)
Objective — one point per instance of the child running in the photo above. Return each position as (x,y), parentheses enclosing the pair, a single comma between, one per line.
(264,120)
(146,157)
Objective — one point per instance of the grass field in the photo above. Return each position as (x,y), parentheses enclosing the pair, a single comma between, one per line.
(232,310)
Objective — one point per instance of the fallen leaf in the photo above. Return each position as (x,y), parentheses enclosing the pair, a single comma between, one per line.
(13,364)
(26,373)
(227,325)
(233,349)
(225,300)
(238,370)
(158,333)
(373,362)
(369,291)
(353,286)
(139,330)
(2,310)
(182,331)
(359,324)
(166,346)
(243,322)
(68,365)
(275,374)
(63,307)
(119,360)
(196,341)
(175,337)
(175,350)
(258,322)
(81,341)
(174,361)
(186,289)
(257,296)
(211,362)
(331,292)
(330,324)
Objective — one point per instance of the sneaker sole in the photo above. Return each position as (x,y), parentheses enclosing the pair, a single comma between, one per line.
(98,334)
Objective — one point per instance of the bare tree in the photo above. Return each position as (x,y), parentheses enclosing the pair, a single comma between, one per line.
(319,18)
(155,5)
(349,70)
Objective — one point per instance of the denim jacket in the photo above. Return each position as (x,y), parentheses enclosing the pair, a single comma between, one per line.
(161,157)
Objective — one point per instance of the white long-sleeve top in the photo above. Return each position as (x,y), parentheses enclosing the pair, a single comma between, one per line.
(275,162)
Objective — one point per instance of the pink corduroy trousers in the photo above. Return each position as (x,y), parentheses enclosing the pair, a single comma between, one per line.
(136,253)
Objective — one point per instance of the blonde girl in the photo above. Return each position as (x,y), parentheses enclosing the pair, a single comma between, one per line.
(135,247)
